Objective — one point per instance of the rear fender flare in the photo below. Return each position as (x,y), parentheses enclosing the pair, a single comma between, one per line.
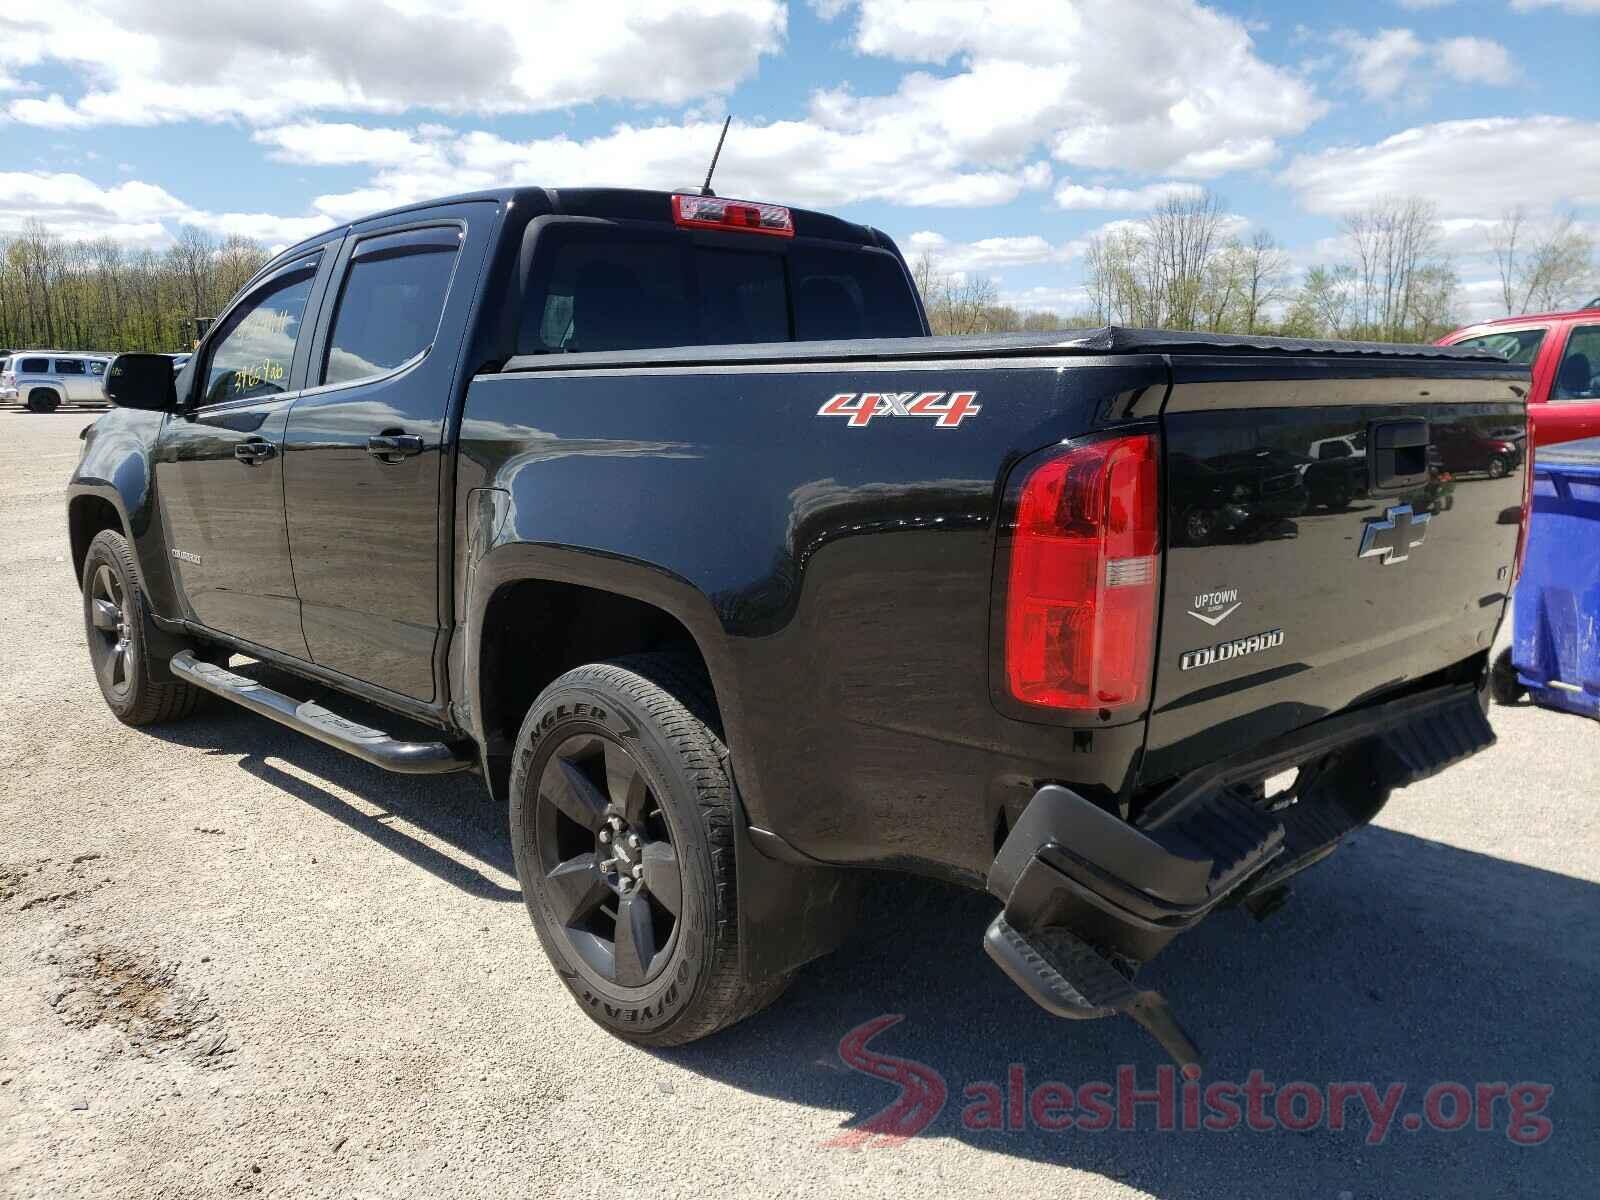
(517,562)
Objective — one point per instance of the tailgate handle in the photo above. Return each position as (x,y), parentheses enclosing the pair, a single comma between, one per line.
(1399,453)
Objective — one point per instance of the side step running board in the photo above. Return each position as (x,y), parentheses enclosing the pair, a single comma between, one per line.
(370,745)
(1067,977)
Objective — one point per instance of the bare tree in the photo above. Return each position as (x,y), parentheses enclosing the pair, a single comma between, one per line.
(1182,238)
(1395,244)
(1264,266)
(193,259)
(1559,267)
(1541,269)
(1503,239)
(1326,304)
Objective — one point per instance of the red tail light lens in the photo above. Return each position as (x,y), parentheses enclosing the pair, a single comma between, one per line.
(1081,600)
(743,216)
(1527,510)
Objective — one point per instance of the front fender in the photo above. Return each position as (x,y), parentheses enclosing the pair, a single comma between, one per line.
(115,469)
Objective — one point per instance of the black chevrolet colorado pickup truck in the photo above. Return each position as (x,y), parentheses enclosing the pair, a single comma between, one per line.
(666,515)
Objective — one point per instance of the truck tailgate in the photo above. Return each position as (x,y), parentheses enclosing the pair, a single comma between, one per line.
(1335,530)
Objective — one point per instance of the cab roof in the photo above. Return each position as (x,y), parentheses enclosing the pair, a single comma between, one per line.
(618,204)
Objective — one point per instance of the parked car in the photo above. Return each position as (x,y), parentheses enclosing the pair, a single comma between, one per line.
(8,381)
(44,380)
(1562,352)
(1456,449)
(665,515)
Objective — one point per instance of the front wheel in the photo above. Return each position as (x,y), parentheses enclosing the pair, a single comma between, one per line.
(118,633)
(622,824)
(1497,467)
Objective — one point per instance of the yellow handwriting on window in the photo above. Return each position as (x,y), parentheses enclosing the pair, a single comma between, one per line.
(248,378)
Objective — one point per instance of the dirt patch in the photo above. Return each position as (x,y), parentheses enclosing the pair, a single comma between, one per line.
(141,998)
(13,878)
(46,884)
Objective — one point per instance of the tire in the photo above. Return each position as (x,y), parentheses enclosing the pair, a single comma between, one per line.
(1504,687)
(43,400)
(609,753)
(119,633)
(1497,467)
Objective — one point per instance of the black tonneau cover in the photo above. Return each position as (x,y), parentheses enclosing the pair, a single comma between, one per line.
(1107,340)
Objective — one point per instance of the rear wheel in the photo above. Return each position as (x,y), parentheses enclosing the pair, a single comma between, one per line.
(117,628)
(622,822)
(43,400)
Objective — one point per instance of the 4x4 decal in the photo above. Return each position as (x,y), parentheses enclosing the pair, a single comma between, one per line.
(947,409)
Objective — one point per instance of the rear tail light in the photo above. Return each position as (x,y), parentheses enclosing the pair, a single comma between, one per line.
(1527,509)
(744,216)
(1084,577)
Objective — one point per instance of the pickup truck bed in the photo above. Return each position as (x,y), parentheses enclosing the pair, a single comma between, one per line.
(1037,613)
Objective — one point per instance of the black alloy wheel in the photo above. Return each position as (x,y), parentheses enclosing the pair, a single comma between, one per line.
(608,859)
(109,648)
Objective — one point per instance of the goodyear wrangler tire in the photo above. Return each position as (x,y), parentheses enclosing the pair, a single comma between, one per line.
(622,824)
(118,631)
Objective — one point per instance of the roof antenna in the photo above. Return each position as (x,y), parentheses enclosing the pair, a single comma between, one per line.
(705,188)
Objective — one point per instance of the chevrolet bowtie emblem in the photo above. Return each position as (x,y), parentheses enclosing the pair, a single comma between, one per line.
(1392,539)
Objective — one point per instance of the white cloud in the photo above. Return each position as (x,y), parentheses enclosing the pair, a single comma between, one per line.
(1475,60)
(343,144)
(987,254)
(1167,86)
(151,61)
(1424,5)
(1382,65)
(134,212)
(1078,196)
(1576,7)
(1469,168)
(1064,301)
(1396,64)
(821,163)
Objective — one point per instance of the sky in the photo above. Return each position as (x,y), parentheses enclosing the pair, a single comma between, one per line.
(999,136)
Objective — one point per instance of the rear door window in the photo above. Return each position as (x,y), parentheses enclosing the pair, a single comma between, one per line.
(1520,345)
(390,303)
(71,366)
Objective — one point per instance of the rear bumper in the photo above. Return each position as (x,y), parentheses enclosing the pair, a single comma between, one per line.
(1129,889)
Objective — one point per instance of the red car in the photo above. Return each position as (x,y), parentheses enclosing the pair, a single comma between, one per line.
(1563,349)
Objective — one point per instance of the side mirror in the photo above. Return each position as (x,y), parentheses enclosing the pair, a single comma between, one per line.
(141,381)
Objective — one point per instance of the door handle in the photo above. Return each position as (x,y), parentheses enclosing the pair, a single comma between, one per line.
(252,452)
(392,447)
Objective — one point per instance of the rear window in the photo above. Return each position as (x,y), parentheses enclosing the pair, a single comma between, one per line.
(595,290)
(71,366)
(1518,345)
(34,366)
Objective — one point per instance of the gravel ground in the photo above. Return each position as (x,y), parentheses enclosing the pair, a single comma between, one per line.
(236,961)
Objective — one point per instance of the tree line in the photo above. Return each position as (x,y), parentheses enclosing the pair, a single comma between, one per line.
(1391,278)
(103,295)
(1183,266)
